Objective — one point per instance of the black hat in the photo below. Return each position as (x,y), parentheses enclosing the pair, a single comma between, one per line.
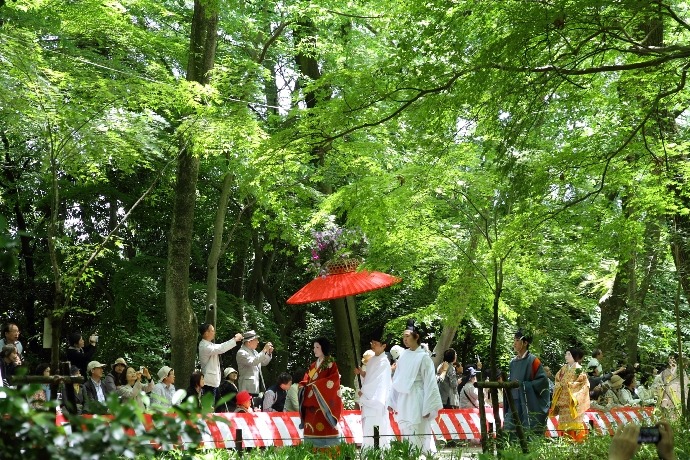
(379,336)
(524,336)
(411,326)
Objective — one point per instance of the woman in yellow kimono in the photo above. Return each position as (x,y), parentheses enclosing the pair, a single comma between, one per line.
(320,404)
(571,396)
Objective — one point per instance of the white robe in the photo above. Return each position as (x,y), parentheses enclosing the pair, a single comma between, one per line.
(375,390)
(415,395)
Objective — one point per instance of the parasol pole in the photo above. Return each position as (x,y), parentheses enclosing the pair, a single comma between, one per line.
(351,299)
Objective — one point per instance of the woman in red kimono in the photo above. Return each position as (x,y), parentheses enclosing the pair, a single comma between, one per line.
(319,398)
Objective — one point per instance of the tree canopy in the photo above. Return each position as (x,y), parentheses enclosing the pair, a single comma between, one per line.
(516,163)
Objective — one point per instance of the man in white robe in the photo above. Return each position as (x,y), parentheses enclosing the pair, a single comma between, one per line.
(414,396)
(376,385)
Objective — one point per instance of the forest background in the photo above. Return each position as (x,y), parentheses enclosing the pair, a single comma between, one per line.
(516,163)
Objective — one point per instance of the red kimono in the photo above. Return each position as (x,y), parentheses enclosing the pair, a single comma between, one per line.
(320,404)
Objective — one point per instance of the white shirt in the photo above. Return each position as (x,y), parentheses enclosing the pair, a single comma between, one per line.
(209,360)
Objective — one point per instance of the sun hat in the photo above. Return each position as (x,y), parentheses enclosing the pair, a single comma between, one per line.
(616,382)
(228,371)
(163,372)
(120,361)
(249,335)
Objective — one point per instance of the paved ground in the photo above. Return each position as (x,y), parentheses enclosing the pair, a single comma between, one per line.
(460,453)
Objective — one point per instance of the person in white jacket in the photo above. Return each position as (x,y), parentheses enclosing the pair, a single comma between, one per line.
(373,396)
(209,353)
(414,397)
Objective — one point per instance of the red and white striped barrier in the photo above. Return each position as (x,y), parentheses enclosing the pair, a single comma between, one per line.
(263,429)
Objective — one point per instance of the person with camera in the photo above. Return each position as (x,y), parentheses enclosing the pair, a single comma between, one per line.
(80,355)
(135,388)
(250,361)
(627,440)
(209,356)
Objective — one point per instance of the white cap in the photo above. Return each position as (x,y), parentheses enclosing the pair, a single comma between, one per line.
(92,365)
(163,372)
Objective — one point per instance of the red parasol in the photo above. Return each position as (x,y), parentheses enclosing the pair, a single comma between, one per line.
(341,285)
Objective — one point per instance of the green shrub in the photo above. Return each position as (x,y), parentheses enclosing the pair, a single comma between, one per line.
(33,434)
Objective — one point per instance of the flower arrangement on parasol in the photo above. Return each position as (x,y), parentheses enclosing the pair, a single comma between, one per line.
(336,249)
(336,277)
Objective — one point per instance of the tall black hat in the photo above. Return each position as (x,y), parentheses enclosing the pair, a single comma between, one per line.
(523,335)
(379,336)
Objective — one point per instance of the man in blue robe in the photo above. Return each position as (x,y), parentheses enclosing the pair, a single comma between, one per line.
(531,398)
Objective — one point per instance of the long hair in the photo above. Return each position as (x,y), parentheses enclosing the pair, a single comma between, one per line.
(195,381)
(325,345)
(121,378)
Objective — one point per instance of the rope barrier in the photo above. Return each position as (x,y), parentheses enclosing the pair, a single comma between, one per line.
(242,431)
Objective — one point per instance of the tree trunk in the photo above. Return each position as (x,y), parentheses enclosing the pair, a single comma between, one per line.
(181,318)
(347,338)
(450,326)
(611,306)
(216,250)
(638,295)
(444,342)
(26,253)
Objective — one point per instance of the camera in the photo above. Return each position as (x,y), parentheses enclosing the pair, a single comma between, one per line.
(649,434)
(141,368)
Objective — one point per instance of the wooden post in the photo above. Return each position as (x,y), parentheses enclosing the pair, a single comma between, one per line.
(238,441)
(482,417)
(518,423)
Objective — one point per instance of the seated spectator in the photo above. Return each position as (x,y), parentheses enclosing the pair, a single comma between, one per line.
(244,402)
(595,361)
(41,396)
(292,398)
(469,396)
(195,389)
(95,392)
(117,376)
(10,336)
(76,406)
(624,443)
(610,397)
(645,393)
(164,391)
(626,394)
(135,388)
(274,397)
(227,388)
(80,355)
(8,364)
